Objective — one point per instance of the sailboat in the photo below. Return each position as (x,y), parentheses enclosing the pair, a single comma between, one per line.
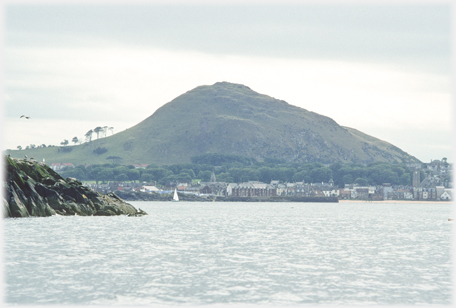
(175,198)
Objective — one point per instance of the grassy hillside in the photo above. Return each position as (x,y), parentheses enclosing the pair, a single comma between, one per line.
(231,119)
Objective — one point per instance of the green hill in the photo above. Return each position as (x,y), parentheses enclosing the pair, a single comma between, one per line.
(230,119)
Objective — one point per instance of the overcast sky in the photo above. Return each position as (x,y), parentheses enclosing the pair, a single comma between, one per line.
(381,69)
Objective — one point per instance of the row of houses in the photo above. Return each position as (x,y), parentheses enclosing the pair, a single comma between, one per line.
(298,189)
(388,192)
(301,189)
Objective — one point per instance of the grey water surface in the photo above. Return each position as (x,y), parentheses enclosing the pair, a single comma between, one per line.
(231,253)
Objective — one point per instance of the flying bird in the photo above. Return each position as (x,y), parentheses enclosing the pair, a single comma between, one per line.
(23,116)
(25,156)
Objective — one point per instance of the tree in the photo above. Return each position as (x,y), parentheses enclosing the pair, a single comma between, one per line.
(236,173)
(19,147)
(158,174)
(265,175)
(405,179)
(115,159)
(339,171)
(88,135)
(361,182)
(95,174)
(205,175)
(181,177)
(302,176)
(106,174)
(112,130)
(100,151)
(190,172)
(128,146)
(184,177)
(97,131)
(75,140)
(347,179)
(282,174)
(105,130)
(322,174)
(382,173)
(250,175)
(225,177)
(145,177)
(121,177)
(133,174)
(64,142)
(120,169)
(400,171)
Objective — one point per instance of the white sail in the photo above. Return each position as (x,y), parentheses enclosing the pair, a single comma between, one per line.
(175,198)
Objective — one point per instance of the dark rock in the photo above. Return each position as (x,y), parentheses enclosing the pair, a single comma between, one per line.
(34,189)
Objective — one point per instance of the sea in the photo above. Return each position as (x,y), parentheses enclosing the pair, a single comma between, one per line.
(224,253)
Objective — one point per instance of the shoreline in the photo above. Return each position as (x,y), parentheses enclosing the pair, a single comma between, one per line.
(393,201)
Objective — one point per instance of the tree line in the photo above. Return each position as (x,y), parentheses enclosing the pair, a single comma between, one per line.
(100,131)
(237,169)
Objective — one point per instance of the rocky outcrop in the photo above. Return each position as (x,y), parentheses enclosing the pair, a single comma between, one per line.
(34,189)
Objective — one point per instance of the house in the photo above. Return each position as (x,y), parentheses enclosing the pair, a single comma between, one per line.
(362,193)
(446,195)
(301,189)
(281,189)
(402,194)
(56,166)
(60,166)
(344,194)
(229,188)
(353,194)
(264,190)
(253,189)
(182,186)
(335,192)
(193,190)
(408,195)
(317,192)
(439,191)
(291,189)
(149,189)
(274,183)
(387,191)
(326,191)
(206,190)
(214,188)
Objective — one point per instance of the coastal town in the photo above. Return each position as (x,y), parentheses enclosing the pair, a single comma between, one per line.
(430,188)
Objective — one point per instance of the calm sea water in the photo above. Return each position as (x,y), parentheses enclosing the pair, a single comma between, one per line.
(224,253)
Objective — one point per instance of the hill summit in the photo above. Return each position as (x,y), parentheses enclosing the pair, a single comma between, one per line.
(230,118)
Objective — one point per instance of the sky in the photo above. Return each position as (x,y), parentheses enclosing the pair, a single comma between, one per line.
(384,69)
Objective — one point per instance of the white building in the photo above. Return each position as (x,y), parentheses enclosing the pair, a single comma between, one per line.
(149,189)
